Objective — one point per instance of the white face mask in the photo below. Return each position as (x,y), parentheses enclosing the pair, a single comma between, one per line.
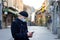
(23,19)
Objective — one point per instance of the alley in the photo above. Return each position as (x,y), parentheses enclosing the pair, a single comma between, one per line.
(40,33)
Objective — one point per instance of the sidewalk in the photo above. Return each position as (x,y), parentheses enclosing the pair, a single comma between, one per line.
(40,33)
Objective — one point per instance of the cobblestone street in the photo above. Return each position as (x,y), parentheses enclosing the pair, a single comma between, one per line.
(40,33)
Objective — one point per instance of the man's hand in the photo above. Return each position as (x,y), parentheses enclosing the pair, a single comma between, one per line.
(30,34)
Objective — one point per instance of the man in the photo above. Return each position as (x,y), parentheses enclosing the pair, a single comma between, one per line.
(19,27)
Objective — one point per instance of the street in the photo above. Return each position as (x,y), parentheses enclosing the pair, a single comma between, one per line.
(40,33)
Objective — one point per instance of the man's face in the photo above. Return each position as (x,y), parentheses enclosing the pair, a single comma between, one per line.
(22,18)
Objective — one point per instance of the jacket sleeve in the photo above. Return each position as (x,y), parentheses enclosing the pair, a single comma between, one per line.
(15,33)
(26,27)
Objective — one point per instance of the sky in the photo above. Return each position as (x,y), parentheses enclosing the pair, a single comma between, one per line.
(34,3)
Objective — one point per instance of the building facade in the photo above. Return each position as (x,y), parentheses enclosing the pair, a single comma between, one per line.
(10,8)
(0,14)
(54,10)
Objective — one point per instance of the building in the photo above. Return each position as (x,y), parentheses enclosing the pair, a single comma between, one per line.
(44,6)
(42,10)
(30,11)
(40,18)
(54,9)
(16,4)
(0,14)
(10,8)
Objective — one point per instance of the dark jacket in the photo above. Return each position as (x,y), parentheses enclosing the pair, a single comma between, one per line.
(19,30)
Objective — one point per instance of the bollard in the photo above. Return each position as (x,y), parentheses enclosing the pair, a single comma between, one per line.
(0,25)
(58,32)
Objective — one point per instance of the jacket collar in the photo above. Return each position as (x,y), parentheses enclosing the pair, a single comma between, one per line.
(17,19)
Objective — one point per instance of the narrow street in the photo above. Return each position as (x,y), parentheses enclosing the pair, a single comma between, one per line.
(40,33)
(42,17)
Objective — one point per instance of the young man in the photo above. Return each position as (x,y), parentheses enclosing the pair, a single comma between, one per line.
(19,27)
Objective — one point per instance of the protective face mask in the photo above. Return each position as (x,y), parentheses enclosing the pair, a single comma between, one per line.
(23,19)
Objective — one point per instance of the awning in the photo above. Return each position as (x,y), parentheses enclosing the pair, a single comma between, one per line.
(14,12)
(10,9)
